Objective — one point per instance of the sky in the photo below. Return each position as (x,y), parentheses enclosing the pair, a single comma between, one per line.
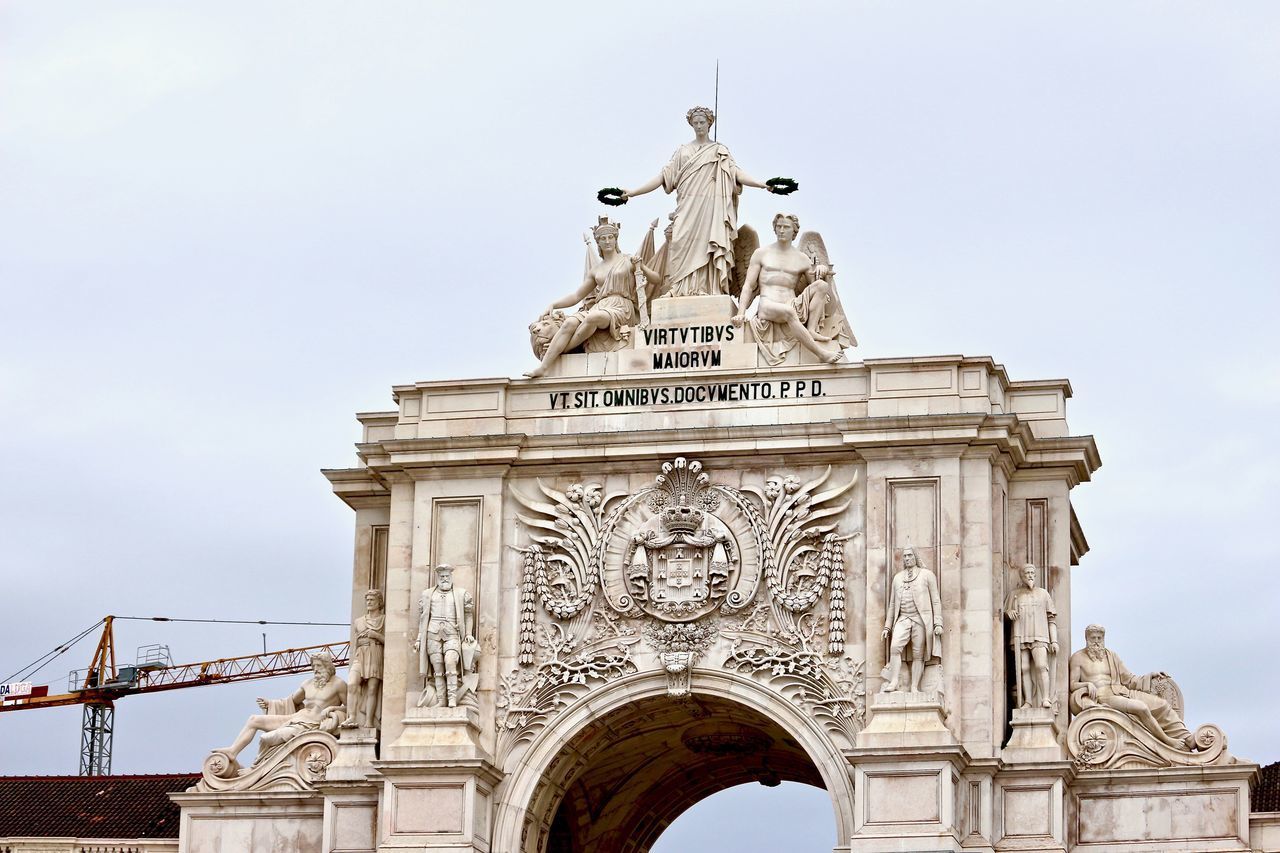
(225,228)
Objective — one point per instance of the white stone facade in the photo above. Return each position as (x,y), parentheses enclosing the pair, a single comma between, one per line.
(621,679)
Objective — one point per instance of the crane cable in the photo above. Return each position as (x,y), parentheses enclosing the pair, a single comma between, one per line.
(48,657)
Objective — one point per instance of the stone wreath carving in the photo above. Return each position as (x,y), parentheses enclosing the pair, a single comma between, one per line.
(293,766)
(529,697)
(833,695)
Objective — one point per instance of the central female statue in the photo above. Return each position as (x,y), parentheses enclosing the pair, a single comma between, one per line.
(707,183)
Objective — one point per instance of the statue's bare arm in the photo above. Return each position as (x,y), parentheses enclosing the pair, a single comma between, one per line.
(749,288)
(583,291)
(647,187)
(648,271)
(1079,681)
(748,181)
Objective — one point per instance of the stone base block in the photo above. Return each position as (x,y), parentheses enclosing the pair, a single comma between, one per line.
(1205,809)
(251,820)
(907,805)
(691,311)
(439,734)
(905,720)
(443,807)
(1031,807)
(357,750)
(1034,738)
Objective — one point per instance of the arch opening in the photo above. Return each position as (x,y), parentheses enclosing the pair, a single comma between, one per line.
(623,778)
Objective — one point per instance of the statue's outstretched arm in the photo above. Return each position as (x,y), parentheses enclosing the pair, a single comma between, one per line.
(646,187)
(748,181)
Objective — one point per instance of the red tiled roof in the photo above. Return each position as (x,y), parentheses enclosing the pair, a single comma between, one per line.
(91,806)
(1265,796)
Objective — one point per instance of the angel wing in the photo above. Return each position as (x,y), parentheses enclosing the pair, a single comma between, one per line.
(812,244)
(744,246)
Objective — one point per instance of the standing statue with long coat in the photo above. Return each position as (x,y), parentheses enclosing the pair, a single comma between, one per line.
(912,621)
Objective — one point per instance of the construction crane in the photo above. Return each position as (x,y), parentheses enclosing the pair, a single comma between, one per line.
(102,682)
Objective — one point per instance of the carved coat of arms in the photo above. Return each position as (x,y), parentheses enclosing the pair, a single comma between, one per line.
(680,561)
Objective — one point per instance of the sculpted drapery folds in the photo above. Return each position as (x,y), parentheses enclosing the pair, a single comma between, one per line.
(707,183)
(798,302)
(608,295)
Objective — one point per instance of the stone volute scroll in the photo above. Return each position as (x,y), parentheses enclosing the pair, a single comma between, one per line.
(798,304)
(448,652)
(1123,720)
(297,738)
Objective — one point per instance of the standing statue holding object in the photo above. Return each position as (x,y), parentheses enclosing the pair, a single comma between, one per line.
(1035,639)
(912,621)
(707,183)
(446,642)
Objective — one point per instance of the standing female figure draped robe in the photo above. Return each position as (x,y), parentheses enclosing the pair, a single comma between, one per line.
(700,253)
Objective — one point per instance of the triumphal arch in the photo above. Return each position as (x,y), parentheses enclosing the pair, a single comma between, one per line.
(699,546)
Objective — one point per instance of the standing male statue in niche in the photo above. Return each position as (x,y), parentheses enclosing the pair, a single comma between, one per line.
(1098,677)
(707,183)
(365,688)
(913,620)
(1033,616)
(446,642)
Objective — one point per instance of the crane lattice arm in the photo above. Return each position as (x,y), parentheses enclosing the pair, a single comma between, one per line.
(103,682)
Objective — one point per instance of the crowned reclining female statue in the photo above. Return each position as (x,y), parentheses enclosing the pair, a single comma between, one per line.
(608,297)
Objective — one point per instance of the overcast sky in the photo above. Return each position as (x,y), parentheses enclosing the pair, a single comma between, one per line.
(226,227)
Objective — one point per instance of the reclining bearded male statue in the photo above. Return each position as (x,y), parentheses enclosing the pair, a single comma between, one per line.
(315,706)
(1098,677)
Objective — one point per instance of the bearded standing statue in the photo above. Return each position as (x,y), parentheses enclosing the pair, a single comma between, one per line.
(365,691)
(1034,619)
(446,642)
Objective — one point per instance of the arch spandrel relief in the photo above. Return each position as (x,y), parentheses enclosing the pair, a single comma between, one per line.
(687,571)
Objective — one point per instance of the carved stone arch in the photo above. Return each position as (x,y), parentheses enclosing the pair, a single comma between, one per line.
(538,778)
